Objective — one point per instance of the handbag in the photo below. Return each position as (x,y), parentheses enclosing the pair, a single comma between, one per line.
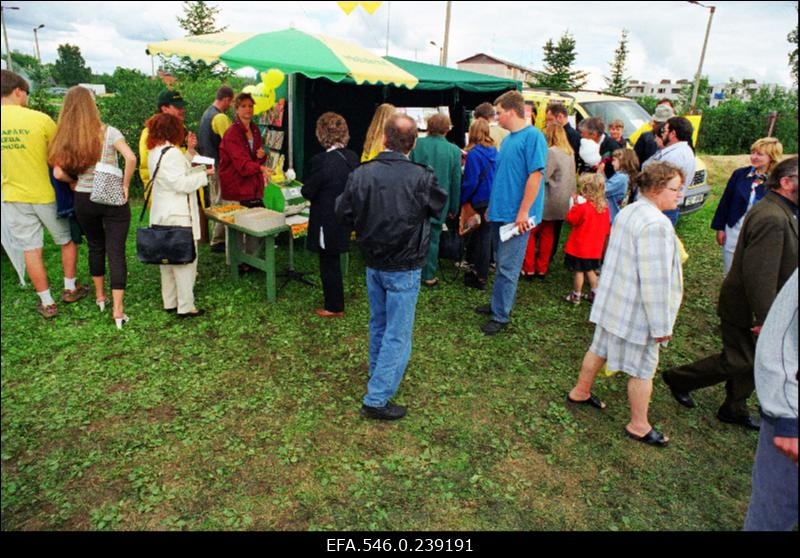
(107,184)
(164,244)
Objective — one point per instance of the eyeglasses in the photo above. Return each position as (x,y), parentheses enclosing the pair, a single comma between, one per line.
(673,189)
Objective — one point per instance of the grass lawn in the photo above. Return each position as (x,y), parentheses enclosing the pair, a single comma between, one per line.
(248,418)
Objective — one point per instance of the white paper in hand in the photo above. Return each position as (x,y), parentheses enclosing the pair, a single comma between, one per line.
(511,230)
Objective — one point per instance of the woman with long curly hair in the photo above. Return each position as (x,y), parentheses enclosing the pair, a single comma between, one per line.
(80,142)
(373,143)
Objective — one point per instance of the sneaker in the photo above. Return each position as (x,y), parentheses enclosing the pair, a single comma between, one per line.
(492,327)
(390,411)
(75,294)
(48,311)
(575,299)
(588,297)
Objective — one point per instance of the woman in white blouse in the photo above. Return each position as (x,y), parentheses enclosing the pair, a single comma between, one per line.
(173,204)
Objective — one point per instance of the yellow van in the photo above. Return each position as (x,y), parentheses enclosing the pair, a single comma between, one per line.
(585,104)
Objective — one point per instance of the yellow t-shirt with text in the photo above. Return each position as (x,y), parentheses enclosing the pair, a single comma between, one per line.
(26,136)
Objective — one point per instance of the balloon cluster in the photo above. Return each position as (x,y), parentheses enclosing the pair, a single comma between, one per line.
(264,93)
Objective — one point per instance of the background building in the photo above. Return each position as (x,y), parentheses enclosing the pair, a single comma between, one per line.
(742,90)
(485,64)
(664,89)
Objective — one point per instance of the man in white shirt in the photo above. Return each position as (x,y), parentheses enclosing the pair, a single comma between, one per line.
(677,136)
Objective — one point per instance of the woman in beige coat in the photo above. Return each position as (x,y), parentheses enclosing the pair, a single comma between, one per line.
(559,186)
(172,204)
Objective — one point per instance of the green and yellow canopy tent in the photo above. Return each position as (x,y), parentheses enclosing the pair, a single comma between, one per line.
(331,74)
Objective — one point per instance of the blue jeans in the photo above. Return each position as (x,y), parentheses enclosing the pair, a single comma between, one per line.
(392,303)
(508,257)
(673,216)
(773,503)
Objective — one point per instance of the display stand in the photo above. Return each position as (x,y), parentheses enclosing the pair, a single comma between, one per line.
(236,234)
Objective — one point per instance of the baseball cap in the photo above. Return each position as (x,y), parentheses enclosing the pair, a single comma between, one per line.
(663,113)
(169,97)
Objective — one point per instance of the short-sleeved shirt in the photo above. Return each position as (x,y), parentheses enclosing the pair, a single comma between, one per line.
(26,136)
(108,156)
(524,152)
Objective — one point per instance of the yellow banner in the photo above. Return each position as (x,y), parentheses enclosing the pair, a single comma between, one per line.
(369,7)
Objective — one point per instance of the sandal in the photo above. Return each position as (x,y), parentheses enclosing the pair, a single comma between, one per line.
(123,320)
(575,299)
(47,311)
(652,438)
(101,304)
(593,401)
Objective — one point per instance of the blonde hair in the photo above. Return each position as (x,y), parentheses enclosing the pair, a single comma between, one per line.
(373,143)
(770,147)
(78,141)
(479,134)
(592,186)
(556,136)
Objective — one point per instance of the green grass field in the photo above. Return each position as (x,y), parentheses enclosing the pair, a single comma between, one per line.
(247,419)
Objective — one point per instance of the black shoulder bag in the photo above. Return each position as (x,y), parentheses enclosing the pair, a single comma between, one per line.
(164,244)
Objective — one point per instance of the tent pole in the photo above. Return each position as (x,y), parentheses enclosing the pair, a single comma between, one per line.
(291,107)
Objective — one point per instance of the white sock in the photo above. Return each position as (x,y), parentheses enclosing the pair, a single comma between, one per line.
(46,298)
(69,284)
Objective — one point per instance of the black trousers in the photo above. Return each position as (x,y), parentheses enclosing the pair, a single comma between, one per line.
(479,250)
(556,237)
(734,366)
(330,271)
(106,228)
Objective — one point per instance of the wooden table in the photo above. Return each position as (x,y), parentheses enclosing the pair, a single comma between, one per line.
(236,235)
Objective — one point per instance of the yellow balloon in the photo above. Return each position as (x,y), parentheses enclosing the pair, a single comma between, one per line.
(264,92)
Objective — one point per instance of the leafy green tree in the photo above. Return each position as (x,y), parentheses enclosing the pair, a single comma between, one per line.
(199,18)
(648,103)
(792,38)
(617,82)
(558,73)
(39,74)
(731,127)
(70,67)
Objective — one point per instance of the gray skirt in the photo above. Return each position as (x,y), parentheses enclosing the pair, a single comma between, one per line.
(639,361)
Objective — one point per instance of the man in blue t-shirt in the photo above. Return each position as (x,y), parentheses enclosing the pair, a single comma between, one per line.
(517,195)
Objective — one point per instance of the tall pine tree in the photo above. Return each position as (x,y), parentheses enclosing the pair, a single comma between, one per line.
(200,18)
(617,83)
(558,73)
(792,38)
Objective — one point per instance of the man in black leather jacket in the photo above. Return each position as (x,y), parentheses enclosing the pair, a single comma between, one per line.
(389,202)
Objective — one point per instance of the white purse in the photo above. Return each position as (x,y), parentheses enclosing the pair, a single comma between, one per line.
(107,184)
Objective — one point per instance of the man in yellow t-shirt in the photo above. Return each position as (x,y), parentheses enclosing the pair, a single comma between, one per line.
(29,200)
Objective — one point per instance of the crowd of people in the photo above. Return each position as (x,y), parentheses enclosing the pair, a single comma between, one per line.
(508,193)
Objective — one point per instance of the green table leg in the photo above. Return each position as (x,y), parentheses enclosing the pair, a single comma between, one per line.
(269,259)
(234,251)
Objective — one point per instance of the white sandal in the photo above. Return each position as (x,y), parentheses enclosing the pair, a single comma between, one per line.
(123,320)
(101,304)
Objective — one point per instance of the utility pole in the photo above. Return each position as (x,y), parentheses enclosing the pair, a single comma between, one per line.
(36,40)
(9,63)
(712,9)
(443,61)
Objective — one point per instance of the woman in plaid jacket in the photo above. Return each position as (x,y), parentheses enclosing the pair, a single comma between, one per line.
(638,298)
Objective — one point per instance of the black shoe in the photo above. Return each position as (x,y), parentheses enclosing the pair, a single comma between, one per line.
(742,420)
(390,411)
(471,280)
(486,309)
(218,248)
(492,327)
(194,314)
(681,397)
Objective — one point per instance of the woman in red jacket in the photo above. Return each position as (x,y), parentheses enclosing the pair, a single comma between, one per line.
(242,172)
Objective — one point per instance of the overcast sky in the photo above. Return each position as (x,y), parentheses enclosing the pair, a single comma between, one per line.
(747,40)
